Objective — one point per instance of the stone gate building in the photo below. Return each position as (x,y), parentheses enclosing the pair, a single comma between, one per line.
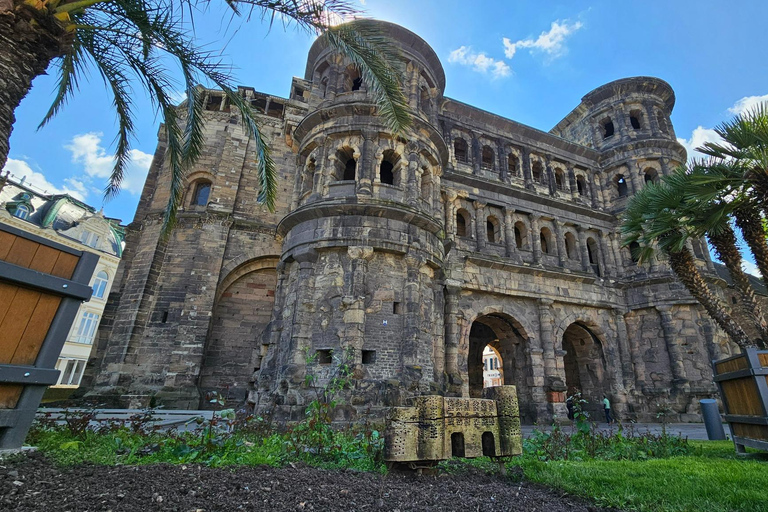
(409,254)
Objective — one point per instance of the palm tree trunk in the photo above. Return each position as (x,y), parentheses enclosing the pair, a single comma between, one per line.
(750,223)
(727,251)
(685,268)
(29,40)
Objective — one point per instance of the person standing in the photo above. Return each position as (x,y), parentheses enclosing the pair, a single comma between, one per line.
(607,408)
(569,407)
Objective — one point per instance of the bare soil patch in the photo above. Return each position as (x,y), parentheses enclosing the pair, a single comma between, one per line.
(34,483)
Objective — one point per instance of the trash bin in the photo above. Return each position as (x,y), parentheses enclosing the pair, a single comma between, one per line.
(712,421)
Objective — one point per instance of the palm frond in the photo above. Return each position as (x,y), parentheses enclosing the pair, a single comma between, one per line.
(69,68)
(380,64)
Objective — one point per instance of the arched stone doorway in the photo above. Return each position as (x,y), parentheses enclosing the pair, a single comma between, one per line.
(241,313)
(507,338)
(585,367)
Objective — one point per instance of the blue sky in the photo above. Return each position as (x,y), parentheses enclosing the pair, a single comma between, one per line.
(529,61)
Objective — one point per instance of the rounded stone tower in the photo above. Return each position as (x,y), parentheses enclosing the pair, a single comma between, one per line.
(359,279)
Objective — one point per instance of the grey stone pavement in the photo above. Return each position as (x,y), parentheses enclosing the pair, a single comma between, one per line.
(693,431)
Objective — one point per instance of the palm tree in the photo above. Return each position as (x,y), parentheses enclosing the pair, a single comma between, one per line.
(710,205)
(135,41)
(657,217)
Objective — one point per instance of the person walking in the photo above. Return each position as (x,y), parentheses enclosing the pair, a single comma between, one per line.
(607,407)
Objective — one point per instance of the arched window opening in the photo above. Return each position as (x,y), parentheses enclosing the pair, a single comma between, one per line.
(592,254)
(581,185)
(621,186)
(387,168)
(461,223)
(457,444)
(386,175)
(545,236)
(353,81)
(570,246)
(21,212)
(349,169)
(489,446)
(608,129)
(734,300)
(100,285)
(512,164)
(487,162)
(259,105)
(214,102)
(559,179)
(492,229)
(520,235)
(634,251)
(651,176)
(634,119)
(324,87)
(346,165)
(537,171)
(460,150)
(202,192)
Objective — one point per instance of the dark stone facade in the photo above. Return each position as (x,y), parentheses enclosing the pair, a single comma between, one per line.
(412,253)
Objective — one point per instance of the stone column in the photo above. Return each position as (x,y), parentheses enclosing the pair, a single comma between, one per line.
(621,122)
(673,348)
(653,121)
(435,199)
(585,265)
(328,170)
(595,190)
(477,154)
(301,330)
(480,219)
(664,163)
(572,180)
(561,254)
(554,385)
(365,168)
(526,165)
(536,238)
(450,213)
(452,333)
(615,251)
(412,299)
(550,176)
(609,268)
(412,190)
(353,305)
(501,158)
(627,355)
(509,231)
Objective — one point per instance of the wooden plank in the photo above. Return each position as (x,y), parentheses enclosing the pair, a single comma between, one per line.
(751,431)
(45,259)
(742,396)
(6,242)
(65,265)
(763,358)
(7,293)
(739,363)
(9,395)
(37,328)
(15,322)
(22,251)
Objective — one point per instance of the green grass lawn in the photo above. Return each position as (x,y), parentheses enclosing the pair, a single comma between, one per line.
(714,478)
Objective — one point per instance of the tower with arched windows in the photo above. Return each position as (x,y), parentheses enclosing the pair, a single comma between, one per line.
(409,257)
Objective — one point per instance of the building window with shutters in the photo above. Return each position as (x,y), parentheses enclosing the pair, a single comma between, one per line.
(86,328)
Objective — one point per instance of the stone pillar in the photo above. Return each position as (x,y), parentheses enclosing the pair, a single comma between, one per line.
(653,121)
(596,190)
(435,198)
(606,256)
(365,168)
(550,176)
(632,364)
(536,238)
(328,170)
(413,174)
(561,254)
(452,334)
(450,213)
(501,155)
(615,251)
(477,154)
(554,385)
(572,189)
(301,330)
(509,231)
(480,219)
(621,122)
(673,348)
(664,163)
(353,305)
(585,265)
(411,321)
(526,165)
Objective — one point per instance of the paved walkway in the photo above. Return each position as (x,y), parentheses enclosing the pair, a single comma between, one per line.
(693,431)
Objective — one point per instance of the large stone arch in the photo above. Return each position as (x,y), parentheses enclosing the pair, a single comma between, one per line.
(509,337)
(243,308)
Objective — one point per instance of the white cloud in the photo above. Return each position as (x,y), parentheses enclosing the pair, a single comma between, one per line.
(551,42)
(479,62)
(20,168)
(699,136)
(88,151)
(750,268)
(747,103)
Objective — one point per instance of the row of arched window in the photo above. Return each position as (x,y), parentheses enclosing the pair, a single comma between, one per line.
(637,121)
